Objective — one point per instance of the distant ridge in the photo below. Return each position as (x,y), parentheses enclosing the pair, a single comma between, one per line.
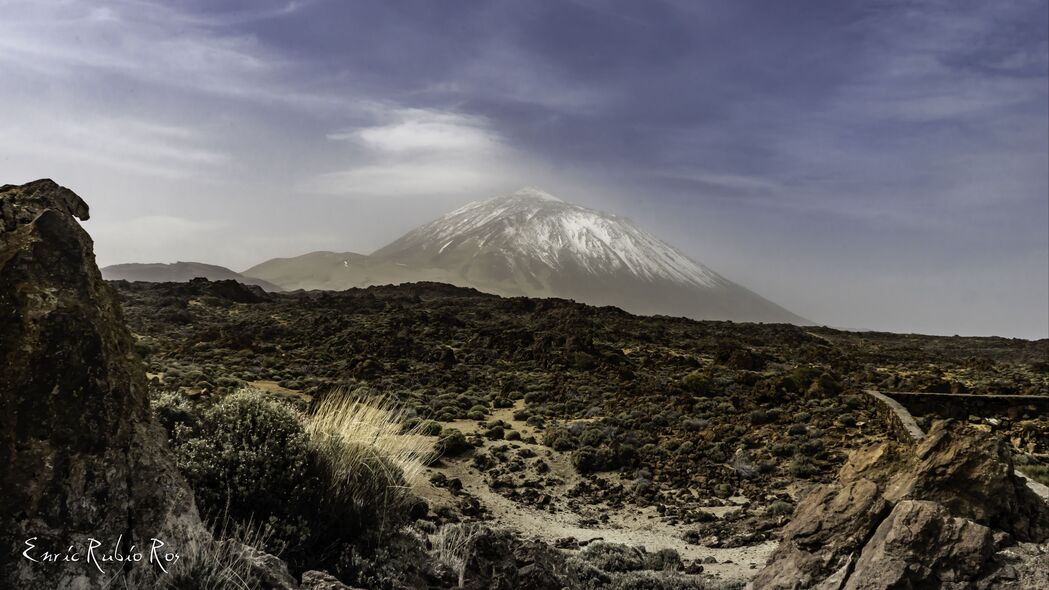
(179,272)
(534,244)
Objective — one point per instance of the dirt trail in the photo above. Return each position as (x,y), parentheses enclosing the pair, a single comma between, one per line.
(631,526)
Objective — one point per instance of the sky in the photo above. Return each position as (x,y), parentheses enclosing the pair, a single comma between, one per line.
(871,165)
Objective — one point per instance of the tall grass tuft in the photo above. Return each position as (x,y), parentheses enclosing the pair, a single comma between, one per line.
(356,432)
(453,545)
(220,562)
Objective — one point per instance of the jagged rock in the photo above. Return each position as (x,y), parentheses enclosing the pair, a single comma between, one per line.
(920,545)
(829,525)
(80,457)
(967,470)
(948,496)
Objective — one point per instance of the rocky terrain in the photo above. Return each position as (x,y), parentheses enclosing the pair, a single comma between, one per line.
(947,513)
(569,445)
(574,423)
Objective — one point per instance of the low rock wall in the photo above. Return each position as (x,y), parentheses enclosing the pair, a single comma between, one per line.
(895,412)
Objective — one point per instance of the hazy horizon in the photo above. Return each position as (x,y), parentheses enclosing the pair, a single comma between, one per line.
(878,167)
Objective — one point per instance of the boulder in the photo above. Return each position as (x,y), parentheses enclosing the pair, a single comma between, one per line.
(80,457)
(919,545)
(829,525)
(937,515)
(967,470)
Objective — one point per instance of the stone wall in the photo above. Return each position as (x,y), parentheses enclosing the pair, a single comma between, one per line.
(900,422)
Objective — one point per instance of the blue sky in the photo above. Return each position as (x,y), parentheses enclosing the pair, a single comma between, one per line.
(873,165)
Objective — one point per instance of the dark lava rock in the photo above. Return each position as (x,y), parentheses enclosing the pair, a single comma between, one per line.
(81,457)
(914,518)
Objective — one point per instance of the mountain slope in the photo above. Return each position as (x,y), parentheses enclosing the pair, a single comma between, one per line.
(531,243)
(179,272)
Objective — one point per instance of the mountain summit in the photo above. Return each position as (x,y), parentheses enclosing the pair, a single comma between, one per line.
(532,243)
(530,234)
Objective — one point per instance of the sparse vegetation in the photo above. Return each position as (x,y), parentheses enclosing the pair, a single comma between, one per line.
(224,561)
(313,482)
(658,414)
(454,546)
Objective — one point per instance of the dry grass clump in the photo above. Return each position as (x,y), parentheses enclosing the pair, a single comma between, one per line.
(223,561)
(366,430)
(453,545)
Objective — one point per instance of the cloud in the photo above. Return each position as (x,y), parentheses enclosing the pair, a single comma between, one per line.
(732,182)
(149,43)
(420,152)
(422,130)
(120,144)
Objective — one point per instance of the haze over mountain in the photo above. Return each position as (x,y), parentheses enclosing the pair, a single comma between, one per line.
(533,244)
(179,272)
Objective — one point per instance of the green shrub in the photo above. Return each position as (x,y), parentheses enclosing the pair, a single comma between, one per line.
(655,581)
(177,415)
(251,457)
(803,377)
(254,460)
(591,460)
(592,437)
(663,560)
(580,573)
(803,467)
(452,443)
(698,383)
(780,508)
(559,439)
(613,557)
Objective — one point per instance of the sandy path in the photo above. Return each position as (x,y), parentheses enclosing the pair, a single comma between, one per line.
(631,526)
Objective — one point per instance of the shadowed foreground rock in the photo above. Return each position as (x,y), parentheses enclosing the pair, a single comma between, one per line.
(949,513)
(81,458)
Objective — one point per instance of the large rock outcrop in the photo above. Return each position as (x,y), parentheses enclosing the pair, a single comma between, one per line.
(948,513)
(80,457)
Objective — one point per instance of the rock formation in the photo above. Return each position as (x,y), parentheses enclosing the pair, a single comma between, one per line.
(949,513)
(81,457)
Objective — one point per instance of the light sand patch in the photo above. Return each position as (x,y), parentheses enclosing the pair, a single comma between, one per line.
(633,526)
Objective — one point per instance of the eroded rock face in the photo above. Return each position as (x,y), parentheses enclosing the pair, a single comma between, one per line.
(80,457)
(919,542)
(829,525)
(940,515)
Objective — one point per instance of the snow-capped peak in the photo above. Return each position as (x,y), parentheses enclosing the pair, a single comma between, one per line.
(531,227)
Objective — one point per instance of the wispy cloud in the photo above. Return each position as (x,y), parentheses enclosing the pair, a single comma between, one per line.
(419,152)
(732,182)
(425,130)
(122,144)
(151,43)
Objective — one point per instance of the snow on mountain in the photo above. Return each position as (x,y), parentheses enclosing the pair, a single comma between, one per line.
(536,224)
